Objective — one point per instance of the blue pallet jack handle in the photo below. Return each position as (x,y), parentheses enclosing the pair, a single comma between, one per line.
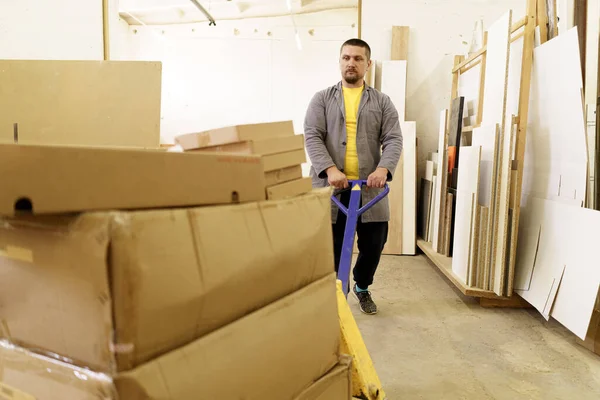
(352,213)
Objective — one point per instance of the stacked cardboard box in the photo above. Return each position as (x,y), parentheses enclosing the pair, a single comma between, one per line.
(281,150)
(172,303)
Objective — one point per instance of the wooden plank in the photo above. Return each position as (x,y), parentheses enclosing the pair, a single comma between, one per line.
(470,66)
(542,20)
(482,264)
(359,30)
(448,220)
(473,57)
(494,108)
(400,38)
(106,29)
(431,209)
(393,83)
(409,188)
(444,264)
(482,83)
(474,270)
(440,188)
(468,187)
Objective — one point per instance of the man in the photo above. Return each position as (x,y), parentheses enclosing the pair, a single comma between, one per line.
(346,128)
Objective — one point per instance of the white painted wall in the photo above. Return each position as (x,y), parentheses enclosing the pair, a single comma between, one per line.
(51,29)
(243,71)
(439,30)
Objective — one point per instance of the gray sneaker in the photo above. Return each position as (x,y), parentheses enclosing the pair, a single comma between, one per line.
(366,303)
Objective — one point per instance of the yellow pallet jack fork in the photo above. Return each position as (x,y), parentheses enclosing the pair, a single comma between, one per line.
(365,381)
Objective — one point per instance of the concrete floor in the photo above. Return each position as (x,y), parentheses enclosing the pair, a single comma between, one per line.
(428,341)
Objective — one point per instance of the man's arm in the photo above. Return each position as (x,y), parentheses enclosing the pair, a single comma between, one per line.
(391,138)
(315,131)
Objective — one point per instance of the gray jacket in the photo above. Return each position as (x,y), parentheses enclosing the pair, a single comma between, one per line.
(378,128)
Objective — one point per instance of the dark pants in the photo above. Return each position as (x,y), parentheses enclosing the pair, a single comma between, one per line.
(371,240)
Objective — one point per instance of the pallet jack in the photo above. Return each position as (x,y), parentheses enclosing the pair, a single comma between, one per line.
(365,381)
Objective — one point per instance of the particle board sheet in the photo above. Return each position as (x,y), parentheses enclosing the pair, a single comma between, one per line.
(89,103)
(440,187)
(400,39)
(393,83)
(505,157)
(409,188)
(431,219)
(555,164)
(466,195)
(425,195)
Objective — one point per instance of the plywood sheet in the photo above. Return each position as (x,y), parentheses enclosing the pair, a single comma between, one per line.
(468,185)
(93,103)
(440,188)
(393,83)
(409,187)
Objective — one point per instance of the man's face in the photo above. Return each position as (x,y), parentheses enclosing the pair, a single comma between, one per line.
(354,63)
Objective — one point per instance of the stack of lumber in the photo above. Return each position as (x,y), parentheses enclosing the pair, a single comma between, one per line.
(146,274)
(508,205)
(281,150)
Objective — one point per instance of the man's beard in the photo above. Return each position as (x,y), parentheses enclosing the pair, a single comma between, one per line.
(352,78)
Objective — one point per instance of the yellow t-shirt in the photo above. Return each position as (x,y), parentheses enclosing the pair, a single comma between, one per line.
(351,102)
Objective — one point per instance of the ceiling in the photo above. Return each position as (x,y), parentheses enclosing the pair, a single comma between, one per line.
(165,12)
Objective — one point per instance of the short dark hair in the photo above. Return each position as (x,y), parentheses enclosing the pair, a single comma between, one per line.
(358,43)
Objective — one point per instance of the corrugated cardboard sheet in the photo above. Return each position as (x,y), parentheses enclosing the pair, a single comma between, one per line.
(96,103)
(336,385)
(262,147)
(56,179)
(283,175)
(165,277)
(274,353)
(234,134)
(289,189)
(260,356)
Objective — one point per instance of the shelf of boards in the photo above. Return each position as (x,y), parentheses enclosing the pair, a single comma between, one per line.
(444,264)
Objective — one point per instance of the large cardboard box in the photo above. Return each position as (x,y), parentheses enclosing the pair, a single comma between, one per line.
(56,179)
(283,175)
(261,356)
(336,385)
(95,103)
(262,147)
(289,189)
(235,134)
(274,353)
(134,285)
(274,162)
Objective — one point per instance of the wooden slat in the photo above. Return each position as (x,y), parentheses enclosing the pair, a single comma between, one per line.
(400,36)
(528,45)
(469,60)
(542,20)
(105,30)
(470,66)
(482,83)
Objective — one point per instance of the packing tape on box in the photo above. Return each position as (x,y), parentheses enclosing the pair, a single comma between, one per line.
(121,348)
(17,253)
(47,368)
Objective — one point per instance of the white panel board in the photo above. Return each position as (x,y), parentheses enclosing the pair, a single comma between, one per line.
(568,241)
(555,165)
(409,188)
(466,195)
(440,187)
(486,137)
(468,87)
(496,70)
(393,83)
